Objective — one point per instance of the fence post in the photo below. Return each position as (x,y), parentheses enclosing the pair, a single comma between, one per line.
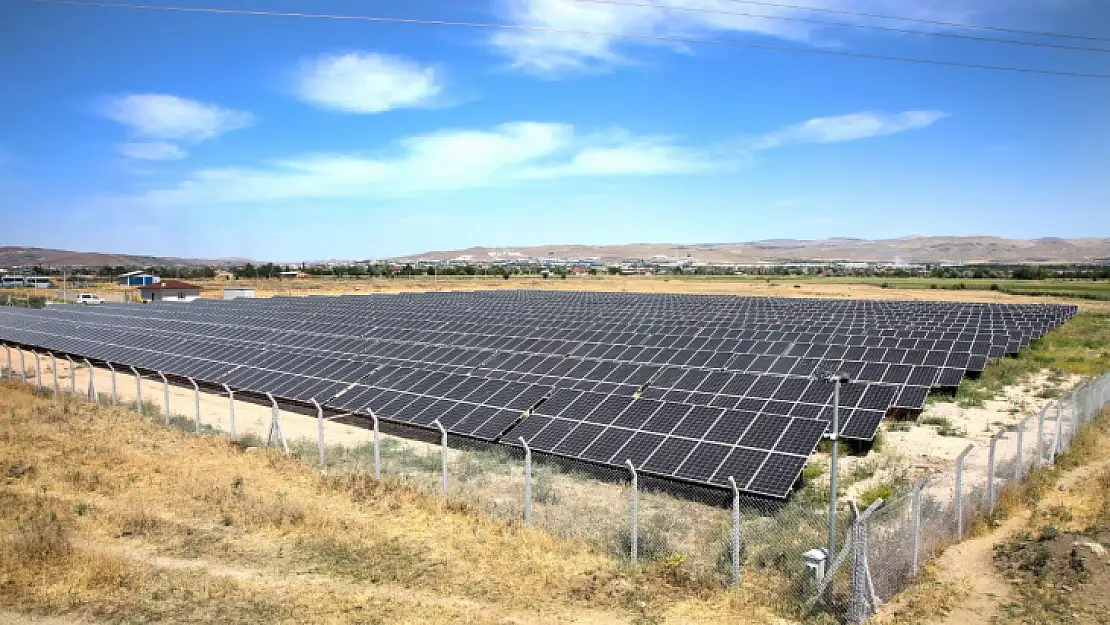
(377,448)
(139,393)
(735,531)
(1040,436)
(275,425)
(527,482)
(115,397)
(196,405)
(8,350)
(442,454)
(53,371)
(635,501)
(319,429)
(165,398)
(230,409)
(1056,447)
(990,469)
(72,376)
(22,368)
(1020,448)
(92,377)
(38,371)
(960,491)
(917,526)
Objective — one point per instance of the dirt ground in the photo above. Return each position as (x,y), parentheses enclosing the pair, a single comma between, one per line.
(774,287)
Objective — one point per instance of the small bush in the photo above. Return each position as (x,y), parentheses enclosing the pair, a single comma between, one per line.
(882,491)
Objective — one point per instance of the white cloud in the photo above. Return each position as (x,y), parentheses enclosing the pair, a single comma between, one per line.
(152,151)
(554,54)
(160,116)
(849,128)
(512,153)
(364,82)
(442,161)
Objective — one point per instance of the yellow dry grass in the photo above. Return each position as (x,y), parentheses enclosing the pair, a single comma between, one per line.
(107,517)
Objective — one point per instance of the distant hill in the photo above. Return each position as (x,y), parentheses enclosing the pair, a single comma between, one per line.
(31,256)
(911,249)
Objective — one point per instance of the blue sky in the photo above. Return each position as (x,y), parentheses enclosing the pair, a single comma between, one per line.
(279,138)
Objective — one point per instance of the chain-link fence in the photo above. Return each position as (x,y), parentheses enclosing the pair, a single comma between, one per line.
(779,548)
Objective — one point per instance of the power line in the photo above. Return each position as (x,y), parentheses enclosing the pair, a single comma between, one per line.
(918,20)
(574,31)
(906,31)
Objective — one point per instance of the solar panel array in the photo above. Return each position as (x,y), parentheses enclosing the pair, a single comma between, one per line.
(690,388)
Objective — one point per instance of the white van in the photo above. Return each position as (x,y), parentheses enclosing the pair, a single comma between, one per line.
(89,299)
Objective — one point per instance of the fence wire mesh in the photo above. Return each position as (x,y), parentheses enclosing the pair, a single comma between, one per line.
(876,555)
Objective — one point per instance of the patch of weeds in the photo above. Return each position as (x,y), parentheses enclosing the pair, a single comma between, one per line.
(944,426)
(812,472)
(246,441)
(389,561)
(544,489)
(899,426)
(861,471)
(881,490)
(81,509)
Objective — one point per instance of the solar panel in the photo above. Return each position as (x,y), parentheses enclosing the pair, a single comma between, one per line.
(689,387)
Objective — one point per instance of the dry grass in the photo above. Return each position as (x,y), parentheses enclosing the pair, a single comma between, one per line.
(106,516)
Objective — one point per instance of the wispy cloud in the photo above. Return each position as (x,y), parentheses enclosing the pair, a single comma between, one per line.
(156,118)
(161,116)
(152,151)
(508,154)
(556,55)
(365,82)
(848,128)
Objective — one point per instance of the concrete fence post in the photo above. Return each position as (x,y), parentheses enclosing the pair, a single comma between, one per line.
(38,370)
(92,380)
(527,481)
(165,398)
(1056,442)
(115,396)
(442,454)
(634,496)
(276,434)
(990,469)
(8,350)
(22,368)
(72,376)
(319,430)
(139,393)
(54,371)
(377,448)
(735,531)
(230,410)
(196,406)
(960,491)
(1020,460)
(1040,436)
(916,511)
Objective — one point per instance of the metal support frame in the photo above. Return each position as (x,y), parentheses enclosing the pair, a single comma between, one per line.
(377,447)
(165,398)
(196,405)
(862,603)
(92,380)
(527,481)
(276,434)
(115,396)
(230,409)
(139,393)
(735,531)
(990,469)
(960,491)
(442,454)
(634,497)
(319,429)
